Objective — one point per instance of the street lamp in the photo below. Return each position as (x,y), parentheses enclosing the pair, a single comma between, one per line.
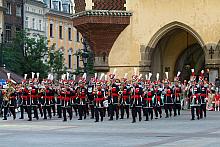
(84,53)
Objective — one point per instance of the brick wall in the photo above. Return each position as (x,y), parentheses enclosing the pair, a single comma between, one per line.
(79,5)
(109,4)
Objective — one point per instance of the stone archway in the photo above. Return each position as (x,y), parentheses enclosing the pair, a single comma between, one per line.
(166,47)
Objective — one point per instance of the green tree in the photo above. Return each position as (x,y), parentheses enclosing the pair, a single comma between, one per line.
(25,54)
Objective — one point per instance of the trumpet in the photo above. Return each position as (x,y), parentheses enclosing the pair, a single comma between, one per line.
(120,92)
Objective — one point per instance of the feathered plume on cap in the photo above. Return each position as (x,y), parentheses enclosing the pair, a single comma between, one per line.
(146,77)
(178,74)
(149,76)
(167,75)
(48,77)
(139,77)
(193,72)
(95,76)
(9,75)
(157,76)
(114,72)
(32,75)
(102,75)
(67,75)
(74,77)
(51,77)
(202,73)
(25,76)
(38,75)
(106,77)
(84,76)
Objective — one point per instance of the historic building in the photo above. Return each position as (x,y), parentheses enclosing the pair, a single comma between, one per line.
(34,17)
(152,35)
(61,32)
(13,18)
(2,9)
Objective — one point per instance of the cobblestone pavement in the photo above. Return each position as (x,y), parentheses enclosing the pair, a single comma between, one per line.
(175,131)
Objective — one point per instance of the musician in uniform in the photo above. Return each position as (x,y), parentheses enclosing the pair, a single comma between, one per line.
(157,100)
(66,103)
(203,97)
(177,97)
(90,95)
(148,102)
(168,100)
(46,93)
(136,101)
(81,95)
(98,102)
(125,98)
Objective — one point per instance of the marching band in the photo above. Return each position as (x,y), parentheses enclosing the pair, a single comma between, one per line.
(109,97)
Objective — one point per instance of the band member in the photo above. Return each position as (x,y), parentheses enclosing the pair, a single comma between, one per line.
(136,101)
(203,96)
(168,100)
(66,103)
(81,94)
(195,100)
(157,100)
(98,102)
(59,102)
(34,98)
(9,101)
(90,95)
(125,99)
(23,92)
(46,93)
(148,102)
(177,97)
(114,102)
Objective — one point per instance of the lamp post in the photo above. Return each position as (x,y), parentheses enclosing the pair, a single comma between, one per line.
(84,53)
(1,47)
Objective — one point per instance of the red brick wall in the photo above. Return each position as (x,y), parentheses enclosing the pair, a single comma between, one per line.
(80,5)
(109,4)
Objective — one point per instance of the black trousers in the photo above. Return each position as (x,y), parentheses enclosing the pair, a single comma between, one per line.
(92,110)
(47,109)
(136,110)
(82,111)
(168,107)
(59,110)
(157,109)
(176,107)
(202,110)
(148,111)
(193,108)
(40,109)
(123,109)
(10,108)
(23,109)
(67,109)
(113,108)
(75,107)
(98,111)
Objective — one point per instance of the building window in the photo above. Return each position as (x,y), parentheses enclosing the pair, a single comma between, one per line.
(70,58)
(33,23)
(26,22)
(8,33)
(18,10)
(40,25)
(69,34)
(8,8)
(77,36)
(51,30)
(61,32)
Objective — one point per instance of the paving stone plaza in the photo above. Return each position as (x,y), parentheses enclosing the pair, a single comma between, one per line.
(175,131)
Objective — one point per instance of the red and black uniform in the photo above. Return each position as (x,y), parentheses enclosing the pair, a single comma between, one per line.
(35,101)
(157,102)
(125,101)
(23,104)
(98,104)
(90,95)
(59,103)
(203,96)
(168,101)
(114,102)
(47,102)
(73,98)
(136,102)
(81,94)
(67,104)
(148,103)
(195,101)
(177,99)
(9,102)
